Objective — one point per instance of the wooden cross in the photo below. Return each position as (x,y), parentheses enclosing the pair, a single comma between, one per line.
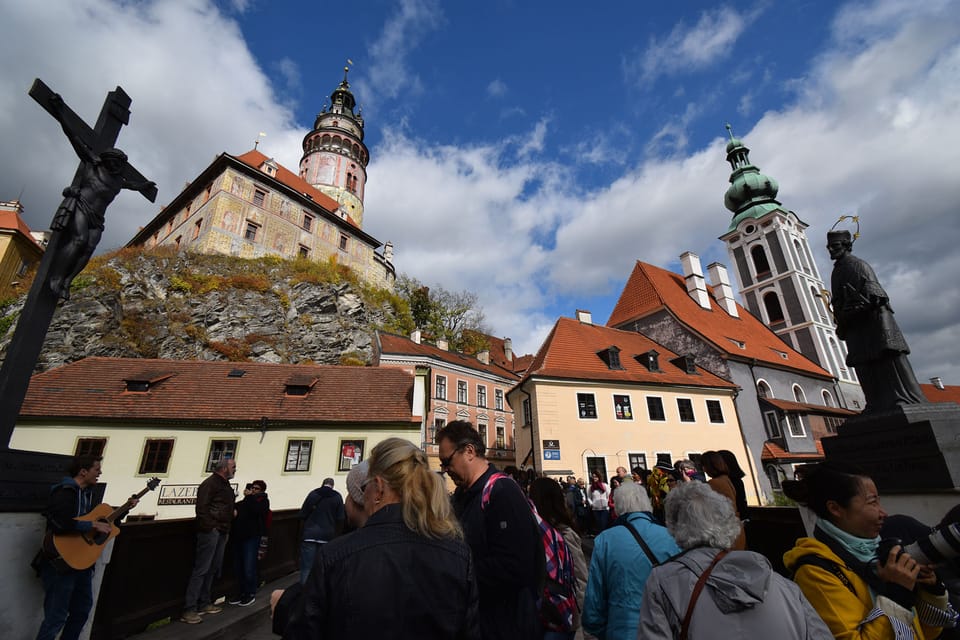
(27,342)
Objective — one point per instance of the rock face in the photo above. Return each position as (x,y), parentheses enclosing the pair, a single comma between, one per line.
(189,307)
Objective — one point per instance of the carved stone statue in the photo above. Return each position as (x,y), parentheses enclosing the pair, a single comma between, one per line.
(81,214)
(875,346)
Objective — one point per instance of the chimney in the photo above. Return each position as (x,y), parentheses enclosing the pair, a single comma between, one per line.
(693,275)
(584,316)
(508,349)
(937,382)
(722,291)
(415,336)
(484,356)
(443,344)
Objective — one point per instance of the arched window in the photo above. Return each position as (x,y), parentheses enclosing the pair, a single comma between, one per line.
(835,348)
(798,394)
(801,256)
(763,389)
(827,399)
(774,311)
(760,262)
(818,300)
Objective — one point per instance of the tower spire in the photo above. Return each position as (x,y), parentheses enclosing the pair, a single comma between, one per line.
(751,194)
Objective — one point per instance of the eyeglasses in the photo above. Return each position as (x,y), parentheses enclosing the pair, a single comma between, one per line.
(446,462)
(363,485)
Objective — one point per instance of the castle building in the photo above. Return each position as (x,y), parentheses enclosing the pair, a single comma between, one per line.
(251,206)
(778,277)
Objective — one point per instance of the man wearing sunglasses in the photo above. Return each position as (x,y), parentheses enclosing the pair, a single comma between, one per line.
(500,531)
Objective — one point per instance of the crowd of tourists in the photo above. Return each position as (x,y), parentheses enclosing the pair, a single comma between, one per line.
(504,556)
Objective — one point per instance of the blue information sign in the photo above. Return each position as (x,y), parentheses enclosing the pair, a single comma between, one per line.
(551,454)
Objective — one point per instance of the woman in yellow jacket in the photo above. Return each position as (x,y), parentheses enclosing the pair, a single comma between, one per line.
(859,595)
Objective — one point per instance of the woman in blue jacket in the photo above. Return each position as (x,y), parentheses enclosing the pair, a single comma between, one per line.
(620,565)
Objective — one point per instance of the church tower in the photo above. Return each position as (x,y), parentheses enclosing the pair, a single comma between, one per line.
(334,155)
(779,280)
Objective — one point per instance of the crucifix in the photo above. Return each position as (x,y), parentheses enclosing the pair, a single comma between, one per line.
(77,227)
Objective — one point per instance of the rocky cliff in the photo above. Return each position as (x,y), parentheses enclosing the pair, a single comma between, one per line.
(188,306)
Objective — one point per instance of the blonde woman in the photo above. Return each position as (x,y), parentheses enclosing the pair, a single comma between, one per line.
(405,574)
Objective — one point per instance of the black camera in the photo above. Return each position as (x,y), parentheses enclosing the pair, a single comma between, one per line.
(940,546)
(249,487)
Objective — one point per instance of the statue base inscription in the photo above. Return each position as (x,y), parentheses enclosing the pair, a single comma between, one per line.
(911,448)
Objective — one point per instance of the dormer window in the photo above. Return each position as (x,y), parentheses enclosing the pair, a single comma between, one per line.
(650,360)
(143,382)
(611,356)
(300,385)
(687,363)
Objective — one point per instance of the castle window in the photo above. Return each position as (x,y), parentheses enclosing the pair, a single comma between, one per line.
(259,197)
(343,242)
(441,388)
(774,429)
(760,262)
(685,407)
(827,399)
(763,389)
(177,241)
(462,391)
(498,399)
(251,232)
(196,228)
(499,443)
(481,396)
(798,394)
(303,251)
(307,221)
(715,411)
(655,409)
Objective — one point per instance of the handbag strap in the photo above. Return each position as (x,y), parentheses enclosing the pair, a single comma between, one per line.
(641,542)
(696,593)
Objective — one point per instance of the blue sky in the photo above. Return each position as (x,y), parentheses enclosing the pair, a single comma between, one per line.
(532,151)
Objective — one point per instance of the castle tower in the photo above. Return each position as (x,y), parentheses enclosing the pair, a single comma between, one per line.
(334,155)
(779,280)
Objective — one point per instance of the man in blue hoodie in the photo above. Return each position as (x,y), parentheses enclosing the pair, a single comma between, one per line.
(68,593)
(322,514)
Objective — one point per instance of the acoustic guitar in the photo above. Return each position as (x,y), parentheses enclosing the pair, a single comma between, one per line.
(80,549)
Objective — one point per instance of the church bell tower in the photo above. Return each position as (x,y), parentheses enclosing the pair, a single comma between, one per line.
(334,156)
(778,277)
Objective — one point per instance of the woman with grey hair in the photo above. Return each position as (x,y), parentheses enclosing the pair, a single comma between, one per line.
(710,591)
(622,558)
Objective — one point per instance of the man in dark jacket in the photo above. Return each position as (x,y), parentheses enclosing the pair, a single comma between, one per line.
(322,514)
(502,534)
(69,592)
(214,510)
(249,526)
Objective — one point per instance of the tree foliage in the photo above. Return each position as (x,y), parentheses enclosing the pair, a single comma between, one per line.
(454,316)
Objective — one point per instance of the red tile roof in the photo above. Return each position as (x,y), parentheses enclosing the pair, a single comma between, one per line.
(803,407)
(392,344)
(650,289)
(203,392)
(255,159)
(949,393)
(12,221)
(774,452)
(570,351)
(498,354)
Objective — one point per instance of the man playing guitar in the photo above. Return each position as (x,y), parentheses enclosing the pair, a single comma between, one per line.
(69,592)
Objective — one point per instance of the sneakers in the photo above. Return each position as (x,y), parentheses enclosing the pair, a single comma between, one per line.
(235,600)
(210,608)
(247,601)
(191,617)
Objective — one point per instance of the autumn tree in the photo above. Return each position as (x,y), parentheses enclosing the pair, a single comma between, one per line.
(454,316)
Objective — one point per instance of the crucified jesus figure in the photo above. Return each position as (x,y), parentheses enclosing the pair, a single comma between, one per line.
(80,216)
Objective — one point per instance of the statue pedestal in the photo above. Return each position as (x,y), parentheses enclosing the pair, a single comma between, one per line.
(911,452)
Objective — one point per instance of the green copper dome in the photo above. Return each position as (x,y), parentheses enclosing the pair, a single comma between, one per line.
(751,194)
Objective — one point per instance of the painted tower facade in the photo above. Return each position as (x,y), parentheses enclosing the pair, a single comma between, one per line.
(778,277)
(334,156)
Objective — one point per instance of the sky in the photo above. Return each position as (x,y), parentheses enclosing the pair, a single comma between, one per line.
(531,152)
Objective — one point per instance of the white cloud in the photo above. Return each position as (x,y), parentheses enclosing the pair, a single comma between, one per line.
(690,48)
(497,88)
(290,72)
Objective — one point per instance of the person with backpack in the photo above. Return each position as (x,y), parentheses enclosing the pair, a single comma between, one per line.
(548,498)
(323,516)
(501,532)
(623,556)
(859,589)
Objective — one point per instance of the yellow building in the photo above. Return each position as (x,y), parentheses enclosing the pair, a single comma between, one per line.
(289,425)
(595,398)
(18,249)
